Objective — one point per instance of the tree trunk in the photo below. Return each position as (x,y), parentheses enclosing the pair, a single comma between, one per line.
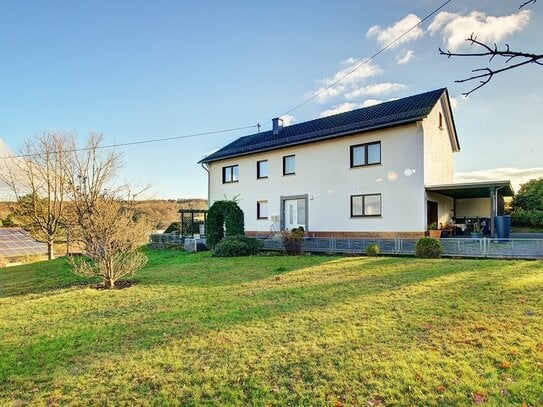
(50,250)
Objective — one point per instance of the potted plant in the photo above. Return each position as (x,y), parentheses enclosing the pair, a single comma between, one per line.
(476,232)
(433,231)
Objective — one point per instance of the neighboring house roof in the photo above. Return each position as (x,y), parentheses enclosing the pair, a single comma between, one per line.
(388,114)
(15,242)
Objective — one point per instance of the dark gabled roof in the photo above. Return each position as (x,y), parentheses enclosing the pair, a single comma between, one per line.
(401,111)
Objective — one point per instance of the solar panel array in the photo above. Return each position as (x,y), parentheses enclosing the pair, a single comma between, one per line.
(386,114)
(15,242)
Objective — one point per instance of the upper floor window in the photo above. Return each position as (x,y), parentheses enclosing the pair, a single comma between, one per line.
(365,205)
(289,164)
(230,174)
(440,121)
(262,209)
(366,154)
(262,169)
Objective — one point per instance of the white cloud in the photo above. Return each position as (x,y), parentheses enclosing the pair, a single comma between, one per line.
(324,94)
(288,119)
(384,36)
(370,102)
(455,28)
(517,176)
(454,102)
(360,74)
(404,57)
(341,108)
(366,70)
(375,89)
(348,106)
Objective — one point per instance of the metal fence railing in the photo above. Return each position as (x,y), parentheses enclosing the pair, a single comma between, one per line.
(452,247)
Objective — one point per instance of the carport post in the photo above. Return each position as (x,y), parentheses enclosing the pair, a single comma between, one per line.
(492,212)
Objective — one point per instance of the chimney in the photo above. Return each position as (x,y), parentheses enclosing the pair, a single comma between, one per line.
(277,125)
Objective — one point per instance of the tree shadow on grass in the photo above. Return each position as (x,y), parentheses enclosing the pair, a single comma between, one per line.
(40,277)
(180,313)
(256,302)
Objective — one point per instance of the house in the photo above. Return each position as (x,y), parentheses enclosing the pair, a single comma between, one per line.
(380,171)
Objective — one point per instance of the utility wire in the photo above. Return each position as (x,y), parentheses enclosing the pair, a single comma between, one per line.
(132,143)
(360,65)
(258,125)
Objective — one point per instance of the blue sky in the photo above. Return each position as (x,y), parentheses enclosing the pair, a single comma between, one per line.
(136,70)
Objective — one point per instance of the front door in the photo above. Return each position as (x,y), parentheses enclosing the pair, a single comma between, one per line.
(431,215)
(294,213)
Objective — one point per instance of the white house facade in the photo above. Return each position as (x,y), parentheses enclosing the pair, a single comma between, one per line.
(364,173)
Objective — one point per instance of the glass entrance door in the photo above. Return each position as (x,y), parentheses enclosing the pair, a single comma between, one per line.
(294,213)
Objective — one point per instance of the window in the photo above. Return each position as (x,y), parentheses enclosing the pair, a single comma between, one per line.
(366,154)
(440,121)
(230,174)
(262,169)
(262,209)
(289,165)
(365,205)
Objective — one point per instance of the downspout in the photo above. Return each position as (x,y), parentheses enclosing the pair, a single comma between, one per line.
(206,168)
(495,234)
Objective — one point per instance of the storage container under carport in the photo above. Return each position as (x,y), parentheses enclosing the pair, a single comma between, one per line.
(503,226)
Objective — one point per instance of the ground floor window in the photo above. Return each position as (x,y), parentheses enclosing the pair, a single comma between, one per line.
(262,209)
(365,205)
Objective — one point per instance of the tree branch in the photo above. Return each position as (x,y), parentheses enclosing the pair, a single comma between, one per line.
(527,2)
(506,55)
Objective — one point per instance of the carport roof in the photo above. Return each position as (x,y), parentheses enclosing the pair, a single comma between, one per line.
(472,189)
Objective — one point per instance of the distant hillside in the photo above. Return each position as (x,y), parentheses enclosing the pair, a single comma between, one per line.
(162,211)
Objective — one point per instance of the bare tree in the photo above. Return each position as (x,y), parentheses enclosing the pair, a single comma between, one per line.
(105,218)
(510,59)
(36,177)
(112,232)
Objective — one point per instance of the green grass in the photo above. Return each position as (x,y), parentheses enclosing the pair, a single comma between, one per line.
(275,330)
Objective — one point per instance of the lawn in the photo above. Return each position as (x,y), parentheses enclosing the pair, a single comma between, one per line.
(276,330)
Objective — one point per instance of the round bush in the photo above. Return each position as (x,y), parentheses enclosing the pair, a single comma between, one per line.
(372,250)
(238,245)
(428,248)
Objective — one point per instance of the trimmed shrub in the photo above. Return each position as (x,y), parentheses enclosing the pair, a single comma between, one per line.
(238,245)
(224,218)
(428,248)
(293,241)
(372,250)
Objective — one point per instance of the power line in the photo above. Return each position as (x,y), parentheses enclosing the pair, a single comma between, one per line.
(132,143)
(360,65)
(258,125)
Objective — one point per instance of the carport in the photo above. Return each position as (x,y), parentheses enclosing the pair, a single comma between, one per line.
(476,199)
